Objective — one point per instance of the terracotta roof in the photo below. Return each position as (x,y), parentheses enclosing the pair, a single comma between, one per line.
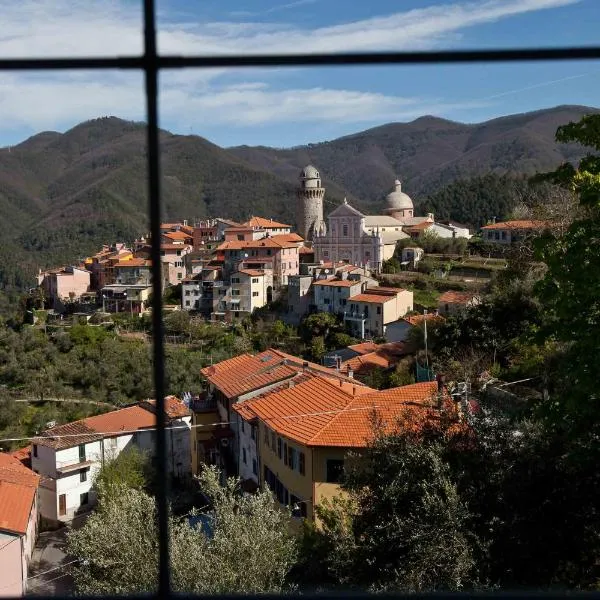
(23,455)
(247,373)
(364,362)
(252,272)
(418,226)
(174,246)
(176,235)
(453,297)
(267,242)
(130,418)
(518,224)
(174,407)
(364,347)
(318,412)
(418,320)
(134,262)
(336,282)
(288,237)
(266,223)
(18,488)
(305,250)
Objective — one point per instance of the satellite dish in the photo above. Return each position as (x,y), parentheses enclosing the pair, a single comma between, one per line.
(326,271)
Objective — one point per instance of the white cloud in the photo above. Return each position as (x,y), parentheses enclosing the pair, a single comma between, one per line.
(114,27)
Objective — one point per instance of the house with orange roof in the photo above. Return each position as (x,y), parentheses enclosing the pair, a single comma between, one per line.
(453,302)
(369,313)
(18,524)
(511,232)
(68,457)
(306,429)
(273,227)
(240,378)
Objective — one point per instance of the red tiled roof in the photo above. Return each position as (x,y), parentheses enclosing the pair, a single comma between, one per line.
(265,223)
(267,242)
(252,272)
(364,362)
(318,412)
(518,224)
(174,246)
(453,297)
(364,347)
(377,295)
(418,226)
(91,429)
(288,237)
(23,455)
(176,235)
(134,262)
(174,407)
(246,373)
(18,488)
(336,282)
(418,320)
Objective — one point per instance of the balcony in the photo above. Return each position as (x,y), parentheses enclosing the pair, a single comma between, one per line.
(66,466)
(355,316)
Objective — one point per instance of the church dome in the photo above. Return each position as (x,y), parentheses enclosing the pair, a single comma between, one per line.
(398,200)
(309,172)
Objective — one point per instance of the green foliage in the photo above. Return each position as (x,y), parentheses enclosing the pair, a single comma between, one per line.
(130,468)
(317,348)
(249,549)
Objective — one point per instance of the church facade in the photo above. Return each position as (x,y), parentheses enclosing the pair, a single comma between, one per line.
(366,240)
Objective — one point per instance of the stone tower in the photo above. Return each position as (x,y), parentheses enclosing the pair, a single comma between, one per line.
(309,213)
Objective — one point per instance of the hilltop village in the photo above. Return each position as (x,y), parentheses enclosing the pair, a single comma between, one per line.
(340,340)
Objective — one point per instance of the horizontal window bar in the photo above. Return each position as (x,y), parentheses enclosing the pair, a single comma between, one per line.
(308,60)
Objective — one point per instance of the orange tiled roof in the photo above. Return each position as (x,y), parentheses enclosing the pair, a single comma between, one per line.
(267,242)
(364,347)
(376,295)
(265,223)
(318,412)
(174,246)
(252,272)
(246,373)
(418,320)
(518,224)
(336,282)
(287,237)
(134,262)
(130,418)
(176,235)
(418,226)
(364,362)
(305,250)
(18,488)
(174,407)
(23,455)
(453,297)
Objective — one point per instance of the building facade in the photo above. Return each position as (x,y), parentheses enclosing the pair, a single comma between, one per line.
(309,208)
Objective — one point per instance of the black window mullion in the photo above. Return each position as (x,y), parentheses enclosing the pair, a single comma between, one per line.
(154,200)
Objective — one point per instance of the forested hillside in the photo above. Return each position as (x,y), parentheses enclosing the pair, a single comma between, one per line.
(62,195)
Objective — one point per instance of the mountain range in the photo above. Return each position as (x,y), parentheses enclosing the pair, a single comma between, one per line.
(63,194)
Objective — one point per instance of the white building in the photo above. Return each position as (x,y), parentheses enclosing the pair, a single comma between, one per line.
(68,457)
(191,292)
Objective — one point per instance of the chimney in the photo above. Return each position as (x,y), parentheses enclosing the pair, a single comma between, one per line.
(354,390)
(185,222)
(291,383)
(350,373)
(341,383)
(305,365)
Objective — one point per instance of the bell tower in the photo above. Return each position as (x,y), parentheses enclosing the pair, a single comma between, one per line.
(309,211)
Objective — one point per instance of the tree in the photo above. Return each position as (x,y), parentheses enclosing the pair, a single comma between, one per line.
(130,468)
(244,545)
(409,528)
(317,348)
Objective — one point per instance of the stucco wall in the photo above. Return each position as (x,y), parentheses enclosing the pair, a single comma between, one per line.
(11,574)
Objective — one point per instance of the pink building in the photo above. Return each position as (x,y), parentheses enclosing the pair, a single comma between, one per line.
(18,524)
(64,284)
(279,252)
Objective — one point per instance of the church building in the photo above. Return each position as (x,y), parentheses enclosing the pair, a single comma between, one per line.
(366,240)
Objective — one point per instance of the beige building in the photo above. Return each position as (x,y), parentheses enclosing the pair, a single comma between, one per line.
(306,428)
(511,232)
(249,289)
(369,312)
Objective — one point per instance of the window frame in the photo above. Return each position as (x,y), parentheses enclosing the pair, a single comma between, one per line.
(151,63)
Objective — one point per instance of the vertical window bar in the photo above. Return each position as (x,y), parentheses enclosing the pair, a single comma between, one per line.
(162,482)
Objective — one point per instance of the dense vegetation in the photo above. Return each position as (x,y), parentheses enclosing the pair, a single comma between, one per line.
(64,195)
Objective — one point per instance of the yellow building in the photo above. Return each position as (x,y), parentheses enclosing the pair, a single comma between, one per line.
(307,427)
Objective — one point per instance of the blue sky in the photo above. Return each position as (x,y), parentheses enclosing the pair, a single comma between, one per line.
(285,107)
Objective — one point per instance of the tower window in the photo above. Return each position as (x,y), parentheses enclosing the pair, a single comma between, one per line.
(345,230)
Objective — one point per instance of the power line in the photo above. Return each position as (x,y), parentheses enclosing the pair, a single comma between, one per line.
(175,427)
